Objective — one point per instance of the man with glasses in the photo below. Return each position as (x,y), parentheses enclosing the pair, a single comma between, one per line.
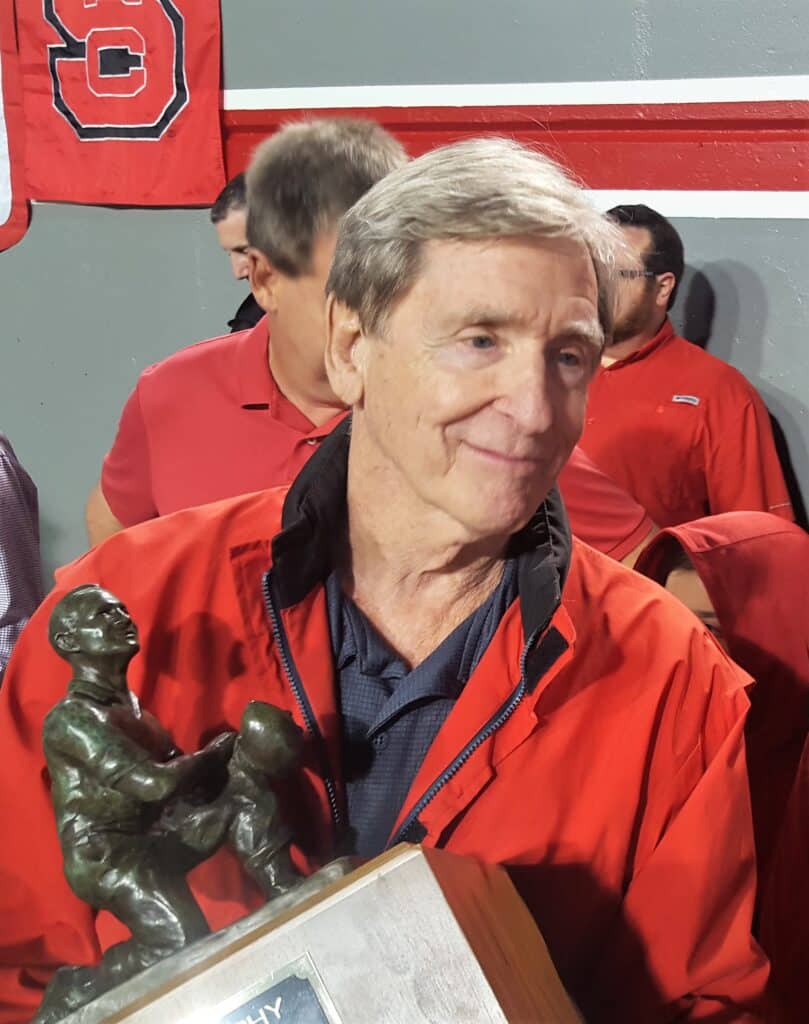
(683,432)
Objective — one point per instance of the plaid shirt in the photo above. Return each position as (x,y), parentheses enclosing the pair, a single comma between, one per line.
(20,567)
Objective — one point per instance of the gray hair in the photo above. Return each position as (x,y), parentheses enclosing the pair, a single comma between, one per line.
(304,178)
(473,190)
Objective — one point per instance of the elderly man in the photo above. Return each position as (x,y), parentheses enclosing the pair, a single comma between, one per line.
(246,411)
(467,676)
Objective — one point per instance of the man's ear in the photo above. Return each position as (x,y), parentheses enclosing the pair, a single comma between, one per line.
(665,286)
(345,344)
(264,277)
(65,643)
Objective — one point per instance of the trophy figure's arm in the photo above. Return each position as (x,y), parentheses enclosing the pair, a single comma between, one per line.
(153,782)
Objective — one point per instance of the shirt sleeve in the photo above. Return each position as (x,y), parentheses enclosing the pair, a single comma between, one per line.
(126,476)
(20,568)
(601,513)
(743,470)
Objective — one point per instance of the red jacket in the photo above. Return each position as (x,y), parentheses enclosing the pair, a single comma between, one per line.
(753,566)
(602,761)
(785,908)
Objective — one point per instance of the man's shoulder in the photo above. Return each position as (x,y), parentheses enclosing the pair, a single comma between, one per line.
(201,357)
(708,368)
(65,715)
(182,541)
(614,607)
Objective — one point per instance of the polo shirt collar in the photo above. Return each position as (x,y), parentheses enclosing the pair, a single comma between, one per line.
(315,513)
(666,333)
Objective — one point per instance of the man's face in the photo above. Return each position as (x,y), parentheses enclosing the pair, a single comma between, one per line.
(298,319)
(637,308)
(476,393)
(104,626)
(232,235)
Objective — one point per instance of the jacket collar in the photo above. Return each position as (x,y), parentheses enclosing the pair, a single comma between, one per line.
(315,512)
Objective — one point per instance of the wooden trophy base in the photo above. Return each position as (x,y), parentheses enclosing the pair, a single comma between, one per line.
(415,936)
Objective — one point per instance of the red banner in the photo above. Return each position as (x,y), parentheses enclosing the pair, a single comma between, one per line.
(121,100)
(13,207)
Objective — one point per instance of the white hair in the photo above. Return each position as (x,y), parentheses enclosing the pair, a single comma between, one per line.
(484,188)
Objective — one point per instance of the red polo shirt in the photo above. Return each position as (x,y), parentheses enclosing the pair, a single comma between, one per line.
(207,423)
(684,433)
(600,512)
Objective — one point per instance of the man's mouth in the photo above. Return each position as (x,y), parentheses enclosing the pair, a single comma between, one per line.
(516,460)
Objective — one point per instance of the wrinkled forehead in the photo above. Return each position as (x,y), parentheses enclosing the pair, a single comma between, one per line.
(490,275)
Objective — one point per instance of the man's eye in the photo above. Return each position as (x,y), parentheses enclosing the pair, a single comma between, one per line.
(481,342)
(571,359)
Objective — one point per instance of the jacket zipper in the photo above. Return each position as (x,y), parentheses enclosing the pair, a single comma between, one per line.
(302,700)
(488,730)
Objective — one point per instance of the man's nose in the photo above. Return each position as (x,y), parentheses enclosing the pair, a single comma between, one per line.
(526,398)
(239,265)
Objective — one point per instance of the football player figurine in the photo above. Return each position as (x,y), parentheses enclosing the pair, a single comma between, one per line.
(113,769)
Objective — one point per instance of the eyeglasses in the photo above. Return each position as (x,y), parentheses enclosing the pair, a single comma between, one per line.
(632,274)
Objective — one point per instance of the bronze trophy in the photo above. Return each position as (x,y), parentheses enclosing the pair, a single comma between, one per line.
(415,935)
(135,814)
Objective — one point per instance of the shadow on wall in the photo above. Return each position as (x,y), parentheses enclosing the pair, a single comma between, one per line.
(715,325)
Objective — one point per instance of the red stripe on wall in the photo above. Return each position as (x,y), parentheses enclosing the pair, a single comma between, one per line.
(702,146)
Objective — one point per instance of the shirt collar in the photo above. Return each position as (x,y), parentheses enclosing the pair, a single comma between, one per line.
(665,333)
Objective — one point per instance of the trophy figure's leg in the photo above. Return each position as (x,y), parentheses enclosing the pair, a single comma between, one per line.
(160,911)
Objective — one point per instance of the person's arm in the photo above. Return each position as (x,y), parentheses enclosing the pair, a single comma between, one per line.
(123,495)
(632,556)
(20,567)
(71,730)
(153,782)
(743,471)
(99,518)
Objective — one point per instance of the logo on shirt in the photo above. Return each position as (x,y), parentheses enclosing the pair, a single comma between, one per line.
(685,399)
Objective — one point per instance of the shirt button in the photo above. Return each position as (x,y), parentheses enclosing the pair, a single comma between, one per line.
(381,741)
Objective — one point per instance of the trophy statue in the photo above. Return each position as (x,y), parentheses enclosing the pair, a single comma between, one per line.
(391,942)
(122,795)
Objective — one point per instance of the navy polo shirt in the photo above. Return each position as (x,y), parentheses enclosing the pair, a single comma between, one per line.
(391,713)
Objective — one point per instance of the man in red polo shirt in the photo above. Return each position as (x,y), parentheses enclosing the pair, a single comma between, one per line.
(683,432)
(244,412)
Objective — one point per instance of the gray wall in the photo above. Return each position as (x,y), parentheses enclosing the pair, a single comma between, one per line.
(91,296)
(389,42)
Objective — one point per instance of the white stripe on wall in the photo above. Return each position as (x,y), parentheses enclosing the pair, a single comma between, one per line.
(672,90)
(682,203)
